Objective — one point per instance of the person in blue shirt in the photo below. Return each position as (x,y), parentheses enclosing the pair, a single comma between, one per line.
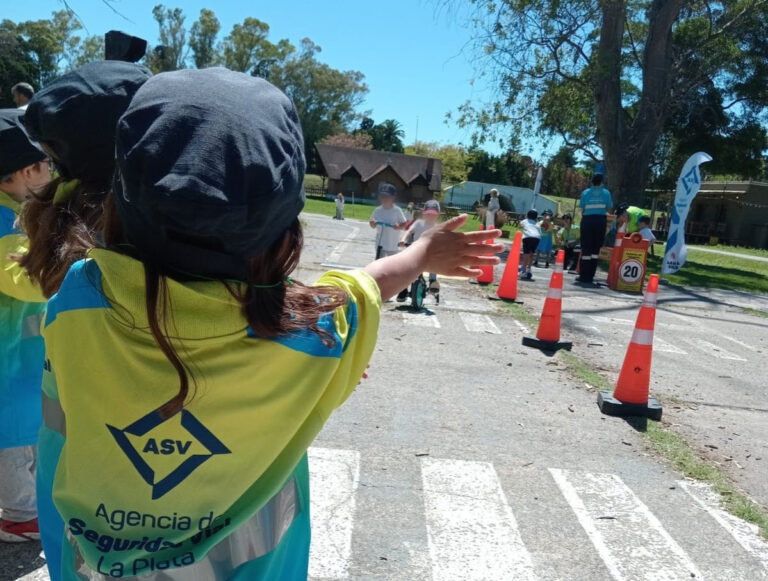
(594,202)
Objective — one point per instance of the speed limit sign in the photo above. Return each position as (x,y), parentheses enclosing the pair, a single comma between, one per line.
(631,271)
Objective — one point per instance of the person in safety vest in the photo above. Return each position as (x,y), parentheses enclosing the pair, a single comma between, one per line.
(209,371)
(627,217)
(568,238)
(73,119)
(595,203)
(23,171)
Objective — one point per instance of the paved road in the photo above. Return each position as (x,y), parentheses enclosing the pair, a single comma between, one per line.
(465,456)
(726,253)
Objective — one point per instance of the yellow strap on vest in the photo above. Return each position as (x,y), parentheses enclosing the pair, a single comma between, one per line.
(64,191)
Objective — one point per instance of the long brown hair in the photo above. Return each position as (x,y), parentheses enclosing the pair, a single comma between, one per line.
(271,303)
(59,234)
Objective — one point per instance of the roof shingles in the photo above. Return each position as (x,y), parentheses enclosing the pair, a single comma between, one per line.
(336,161)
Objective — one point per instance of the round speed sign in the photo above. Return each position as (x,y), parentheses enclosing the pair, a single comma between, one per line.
(631,271)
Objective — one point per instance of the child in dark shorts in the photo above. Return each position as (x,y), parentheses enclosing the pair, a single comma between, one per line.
(531,237)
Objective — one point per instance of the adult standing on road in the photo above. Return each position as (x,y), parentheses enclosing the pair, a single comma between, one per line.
(339,207)
(493,206)
(595,202)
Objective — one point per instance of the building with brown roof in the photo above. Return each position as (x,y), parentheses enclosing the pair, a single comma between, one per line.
(360,171)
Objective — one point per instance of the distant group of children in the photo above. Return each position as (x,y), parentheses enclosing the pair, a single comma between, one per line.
(541,236)
(153,333)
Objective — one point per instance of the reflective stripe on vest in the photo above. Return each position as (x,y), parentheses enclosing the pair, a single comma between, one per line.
(31,325)
(595,207)
(642,337)
(53,415)
(253,539)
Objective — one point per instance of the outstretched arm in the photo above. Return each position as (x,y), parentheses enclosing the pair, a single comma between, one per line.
(441,250)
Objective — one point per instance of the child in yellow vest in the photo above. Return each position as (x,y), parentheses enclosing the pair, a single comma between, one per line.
(23,171)
(74,119)
(190,370)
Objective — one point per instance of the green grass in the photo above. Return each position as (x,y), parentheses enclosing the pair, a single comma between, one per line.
(667,443)
(707,270)
(328,208)
(756,312)
(363,212)
(735,250)
(678,453)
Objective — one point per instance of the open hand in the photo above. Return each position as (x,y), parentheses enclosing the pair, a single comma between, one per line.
(452,253)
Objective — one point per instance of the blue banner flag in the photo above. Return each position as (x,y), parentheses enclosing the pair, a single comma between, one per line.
(687,187)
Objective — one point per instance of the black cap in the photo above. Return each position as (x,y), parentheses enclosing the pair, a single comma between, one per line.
(75,116)
(211,165)
(17,151)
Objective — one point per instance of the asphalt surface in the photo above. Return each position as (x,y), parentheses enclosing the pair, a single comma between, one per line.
(466,456)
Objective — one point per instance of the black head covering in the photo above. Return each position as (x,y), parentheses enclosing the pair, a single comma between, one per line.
(75,117)
(211,164)
(17,151)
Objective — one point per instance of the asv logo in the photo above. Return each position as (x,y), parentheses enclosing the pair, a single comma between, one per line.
(166,447)
(143,444)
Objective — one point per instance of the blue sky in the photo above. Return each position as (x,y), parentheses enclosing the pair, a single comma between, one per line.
(415,57)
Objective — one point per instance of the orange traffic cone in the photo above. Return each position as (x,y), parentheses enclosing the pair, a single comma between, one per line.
(507,290)
(613,267)
(630,398)
(487,276)
(548,335)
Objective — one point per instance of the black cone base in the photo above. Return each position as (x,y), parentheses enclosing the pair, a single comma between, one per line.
(495,297)
(611,406)
(547,345)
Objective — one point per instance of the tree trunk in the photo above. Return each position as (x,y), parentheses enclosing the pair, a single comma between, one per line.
(628,145)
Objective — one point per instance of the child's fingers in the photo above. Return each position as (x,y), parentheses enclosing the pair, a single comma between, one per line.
(480,235)
(453,223)
(483,260)
(482,249)
(467,271)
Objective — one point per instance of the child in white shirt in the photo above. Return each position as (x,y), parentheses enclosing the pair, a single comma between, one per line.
(388,218)
(531,237)
(645,231)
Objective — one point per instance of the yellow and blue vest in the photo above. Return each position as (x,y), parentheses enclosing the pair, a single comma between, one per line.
(21,346)
(219,491)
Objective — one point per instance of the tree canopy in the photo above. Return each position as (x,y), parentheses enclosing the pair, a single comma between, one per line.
(623,80)
(326,99)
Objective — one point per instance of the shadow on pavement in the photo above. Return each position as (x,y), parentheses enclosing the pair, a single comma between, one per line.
(19,560)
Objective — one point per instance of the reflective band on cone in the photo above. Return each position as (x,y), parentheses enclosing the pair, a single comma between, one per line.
(642,337)
(555,293)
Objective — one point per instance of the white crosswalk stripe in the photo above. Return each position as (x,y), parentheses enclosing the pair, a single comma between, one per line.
(421,320)
(466,530)
(476,323)
(746,534)
(471,529)
(629,538)
(715,350)
(334,478)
